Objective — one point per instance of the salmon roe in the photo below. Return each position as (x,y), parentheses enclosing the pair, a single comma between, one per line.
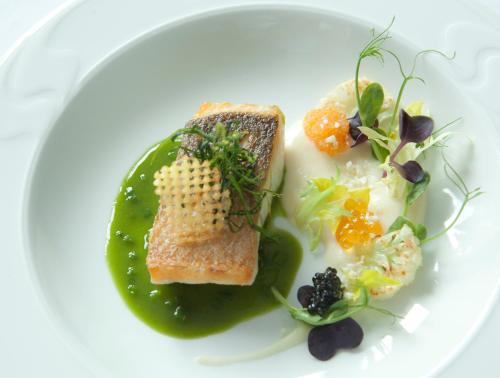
(357,229)
(328,129)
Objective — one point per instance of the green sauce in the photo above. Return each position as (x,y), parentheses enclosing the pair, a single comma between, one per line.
(183,310)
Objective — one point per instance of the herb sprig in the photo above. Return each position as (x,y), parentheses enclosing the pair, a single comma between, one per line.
(372,49)
(411,130)
(468,194)
(407,77)
(370,102)
(237,165)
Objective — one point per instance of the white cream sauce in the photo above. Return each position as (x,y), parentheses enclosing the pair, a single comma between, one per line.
(295,337)
(358,169)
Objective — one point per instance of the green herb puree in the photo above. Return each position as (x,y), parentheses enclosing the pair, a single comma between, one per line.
(182,310)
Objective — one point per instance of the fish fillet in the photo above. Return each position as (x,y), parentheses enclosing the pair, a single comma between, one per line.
(231,257)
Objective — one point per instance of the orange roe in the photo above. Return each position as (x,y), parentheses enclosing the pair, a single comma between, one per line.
(328,129)
(358,229)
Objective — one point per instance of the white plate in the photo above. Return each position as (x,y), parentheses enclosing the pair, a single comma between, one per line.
(287,55)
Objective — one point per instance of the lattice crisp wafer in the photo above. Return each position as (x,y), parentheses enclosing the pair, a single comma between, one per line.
(191,194)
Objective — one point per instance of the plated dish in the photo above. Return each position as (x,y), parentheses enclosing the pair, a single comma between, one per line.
(147,89)
(193,245)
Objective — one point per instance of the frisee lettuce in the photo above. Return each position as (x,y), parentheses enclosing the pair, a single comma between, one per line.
(321,205)
(373,279)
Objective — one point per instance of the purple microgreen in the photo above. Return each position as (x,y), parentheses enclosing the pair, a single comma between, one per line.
(324,341)
(354,123)
(410,171)
(357,136)
(414,129)
(321,343)
(304,294)
(362,138)
(349,333)
(411,130)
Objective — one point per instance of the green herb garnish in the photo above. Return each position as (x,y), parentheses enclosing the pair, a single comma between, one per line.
(370,104)
(372,49)
(419,230)
(237,165)
(410,75)
(415,191)
(379,152)
(338,311)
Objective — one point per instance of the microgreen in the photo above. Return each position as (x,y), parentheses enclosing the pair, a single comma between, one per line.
(237,166)
(419,230)
(372,49)
(411,171)
(410,75)
(438,131)
(379,151)
(440,136)
(361,134)
(411,130)
(468,195)
(414,129)
(338,311)
(357,136)
(415,191)
(370,104)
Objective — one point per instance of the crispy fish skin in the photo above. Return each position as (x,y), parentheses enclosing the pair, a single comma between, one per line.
(230,258)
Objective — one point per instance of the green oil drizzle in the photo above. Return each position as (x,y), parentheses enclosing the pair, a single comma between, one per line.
(183,310)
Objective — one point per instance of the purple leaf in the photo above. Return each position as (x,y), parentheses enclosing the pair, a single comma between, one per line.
(362,138)
(414,129)
(304,294)
(354,123)
(348,333)
(324,341)
(357,136)
(411,171)
(321,342)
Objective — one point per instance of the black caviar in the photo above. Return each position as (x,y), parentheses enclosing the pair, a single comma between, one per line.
(327,290)
(324,341)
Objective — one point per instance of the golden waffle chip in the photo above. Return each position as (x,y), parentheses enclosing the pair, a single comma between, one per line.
(191,194)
